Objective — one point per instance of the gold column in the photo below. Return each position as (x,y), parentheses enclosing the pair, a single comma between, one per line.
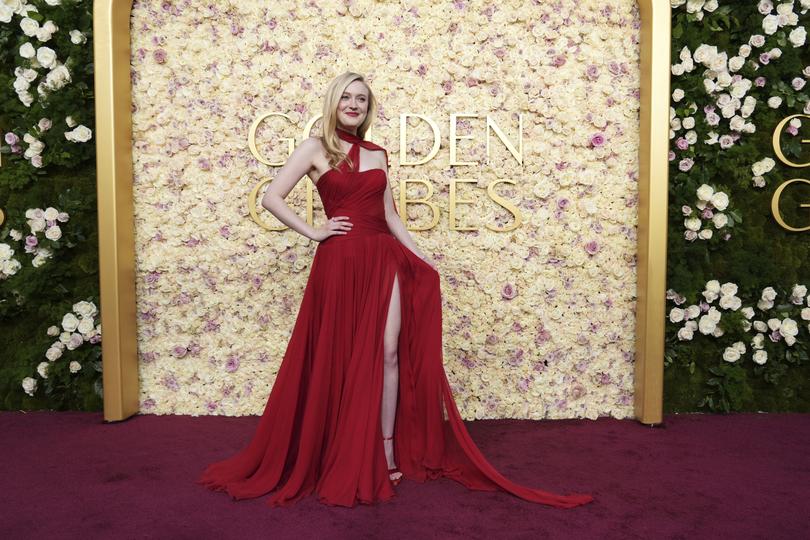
(116,237)
(652,210)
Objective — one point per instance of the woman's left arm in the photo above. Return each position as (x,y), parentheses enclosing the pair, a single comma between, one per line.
(397,227)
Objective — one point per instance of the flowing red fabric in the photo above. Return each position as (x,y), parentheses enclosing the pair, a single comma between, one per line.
(320,430)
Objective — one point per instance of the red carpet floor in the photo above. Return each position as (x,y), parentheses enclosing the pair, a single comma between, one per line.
(69,475)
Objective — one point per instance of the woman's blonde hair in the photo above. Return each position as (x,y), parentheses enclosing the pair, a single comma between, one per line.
(329,138)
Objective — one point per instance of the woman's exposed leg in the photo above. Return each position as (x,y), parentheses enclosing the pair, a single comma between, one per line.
(391,374)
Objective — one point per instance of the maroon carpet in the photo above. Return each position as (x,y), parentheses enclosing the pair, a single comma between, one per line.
(69,475)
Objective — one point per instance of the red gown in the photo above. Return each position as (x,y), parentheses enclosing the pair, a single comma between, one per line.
(320,430)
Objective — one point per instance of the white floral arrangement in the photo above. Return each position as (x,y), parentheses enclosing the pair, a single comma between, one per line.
(710,206)
(705,318)
(39,65)
(78,327)
(721,80)
(8,264)
(696,7)
(41,221)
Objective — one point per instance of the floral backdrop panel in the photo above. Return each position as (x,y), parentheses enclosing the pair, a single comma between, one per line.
(538,320)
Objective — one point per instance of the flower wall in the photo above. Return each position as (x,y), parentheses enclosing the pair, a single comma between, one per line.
(738,306)
(538,322)
(49,321)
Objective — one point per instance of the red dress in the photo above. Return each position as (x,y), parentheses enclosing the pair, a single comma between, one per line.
(320,430)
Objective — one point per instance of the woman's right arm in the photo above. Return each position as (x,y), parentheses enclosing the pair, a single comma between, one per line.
(298,164)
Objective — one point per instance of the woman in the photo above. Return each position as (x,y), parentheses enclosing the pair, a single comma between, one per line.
(361,399)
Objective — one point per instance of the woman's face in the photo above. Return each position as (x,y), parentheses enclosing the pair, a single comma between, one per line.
(353,106)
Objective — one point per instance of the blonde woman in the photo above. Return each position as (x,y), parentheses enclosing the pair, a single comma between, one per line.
(361,399)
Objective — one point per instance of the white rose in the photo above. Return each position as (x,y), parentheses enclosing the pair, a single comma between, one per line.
(29,26)
(774,323)
(74,366)
(710,6)
(720,220)
(692,311)
(86,326)
(53,232)
(29,385)
(677,69)
(805,314)
(42,369)
(6,13)
(789,327)
(706,325)
(20,85)
(728,289)
(748,312)
(770,24)
(714,314)
(27,50)
(70,121)
(692,224)
(757,40)
(731,354)
(798,292)
(53,331)
(53,353)
(774,102)
(760,357)
(685,334)
(77,38)
(764,305)
(43,34)
(760,326)
(765,7)
(720,200)
(70,322)
(75,341)
(690,136)
(745,50)
(735,63)
(676,315)
(57,77)
(769,294)
(688,122)
(736,123)
(713,286)
(719,62)
(730,302)
(790,340)
(678,94)
(705,192)
(85,309)
(46,56)
(703,53)
(748,107)
(80,133)
(798,36)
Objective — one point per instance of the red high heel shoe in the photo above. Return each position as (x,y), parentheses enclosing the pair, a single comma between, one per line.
(393,470)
